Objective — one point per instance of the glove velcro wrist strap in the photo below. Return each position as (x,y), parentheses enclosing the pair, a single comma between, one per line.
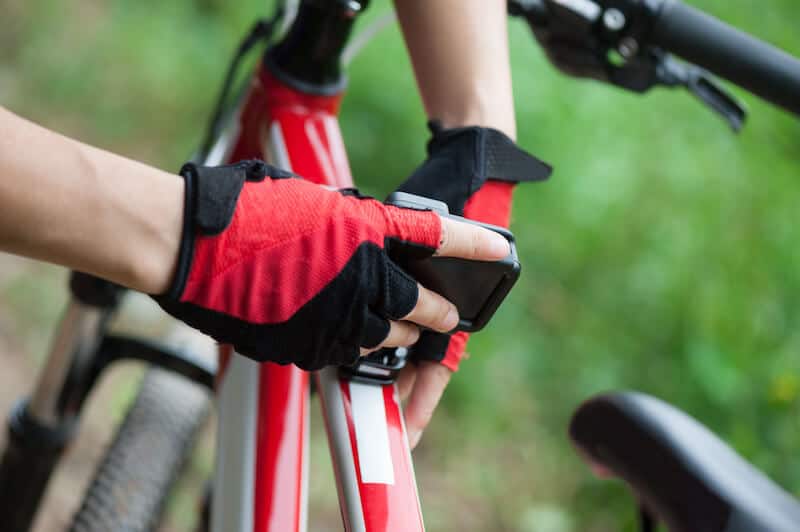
(210,197)
(461,160)
(505,161)
(492,153)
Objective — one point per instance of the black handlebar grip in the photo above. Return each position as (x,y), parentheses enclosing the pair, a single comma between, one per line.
(763,69)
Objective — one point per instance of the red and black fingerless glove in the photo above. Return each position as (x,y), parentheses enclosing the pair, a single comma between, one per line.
(288,271)
(473,170)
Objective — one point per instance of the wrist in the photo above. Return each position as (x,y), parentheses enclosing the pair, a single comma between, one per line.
(155,263)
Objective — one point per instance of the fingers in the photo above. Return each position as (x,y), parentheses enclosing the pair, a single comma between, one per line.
(376,329)
(401,334)
(405,381)
(433,311)
(469,241)
(431,380)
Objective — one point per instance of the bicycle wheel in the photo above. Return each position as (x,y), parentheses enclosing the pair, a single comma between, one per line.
(130,486)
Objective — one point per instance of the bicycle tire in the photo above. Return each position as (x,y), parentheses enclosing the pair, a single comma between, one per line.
(147,453)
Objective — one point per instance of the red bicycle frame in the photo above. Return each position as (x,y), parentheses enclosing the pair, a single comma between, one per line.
(261,473)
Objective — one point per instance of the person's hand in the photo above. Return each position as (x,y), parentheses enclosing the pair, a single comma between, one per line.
(473,170)
(421,386)
(291,272)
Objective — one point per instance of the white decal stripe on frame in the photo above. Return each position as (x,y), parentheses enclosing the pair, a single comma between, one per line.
(372,433)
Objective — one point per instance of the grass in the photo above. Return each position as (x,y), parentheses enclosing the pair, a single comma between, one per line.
(662,256)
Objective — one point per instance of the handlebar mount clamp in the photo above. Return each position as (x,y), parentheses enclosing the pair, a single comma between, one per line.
(381,367)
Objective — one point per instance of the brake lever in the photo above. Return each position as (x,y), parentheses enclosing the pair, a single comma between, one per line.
(705,87)
(605,40)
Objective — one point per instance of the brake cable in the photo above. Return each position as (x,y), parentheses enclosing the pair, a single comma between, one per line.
(261,32)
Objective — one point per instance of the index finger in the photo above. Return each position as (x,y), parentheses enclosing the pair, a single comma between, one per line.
(467,241)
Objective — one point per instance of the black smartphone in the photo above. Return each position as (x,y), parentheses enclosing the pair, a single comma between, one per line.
(476,288)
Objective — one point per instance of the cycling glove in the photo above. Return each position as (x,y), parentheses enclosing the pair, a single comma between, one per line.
(288,271)
(473,170)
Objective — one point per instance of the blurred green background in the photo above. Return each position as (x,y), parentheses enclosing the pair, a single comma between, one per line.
(662,256)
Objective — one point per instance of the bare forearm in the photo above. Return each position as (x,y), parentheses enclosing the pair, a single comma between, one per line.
(85,208)
(459,49)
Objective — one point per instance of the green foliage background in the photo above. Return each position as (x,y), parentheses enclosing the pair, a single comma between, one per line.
(662,256)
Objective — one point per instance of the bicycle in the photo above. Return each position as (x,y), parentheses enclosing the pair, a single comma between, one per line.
(293,104)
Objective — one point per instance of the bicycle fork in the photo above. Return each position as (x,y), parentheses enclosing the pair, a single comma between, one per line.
(41,426)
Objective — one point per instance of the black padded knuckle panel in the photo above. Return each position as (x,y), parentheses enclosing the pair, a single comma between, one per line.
(400,291)
(404,250)
(347,355)
(327,330)
(376,330)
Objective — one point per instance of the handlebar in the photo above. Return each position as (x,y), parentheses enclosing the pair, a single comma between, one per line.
(631,43)
(680,471)
(734,55)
